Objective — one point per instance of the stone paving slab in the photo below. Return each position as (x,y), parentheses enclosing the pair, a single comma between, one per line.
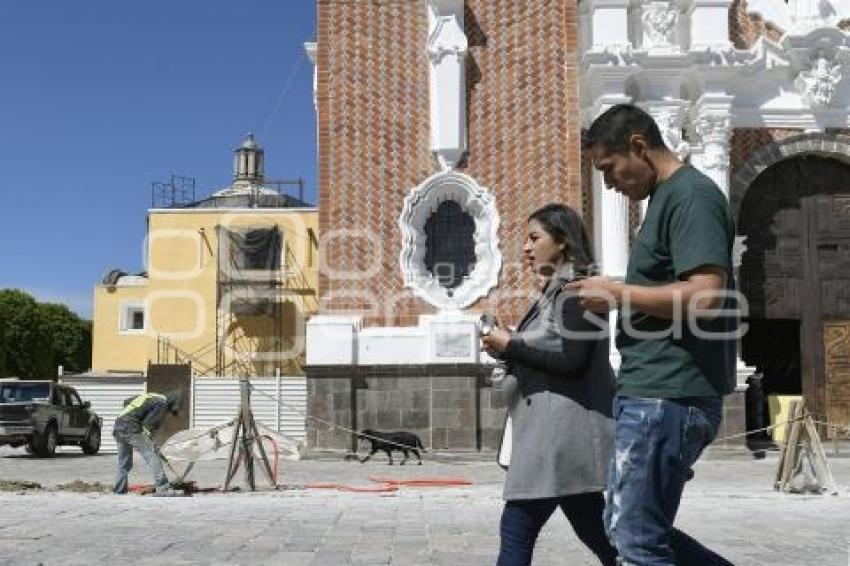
(729,506)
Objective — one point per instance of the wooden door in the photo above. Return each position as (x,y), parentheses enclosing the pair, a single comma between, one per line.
(796,218)
(826,306)
(836,345)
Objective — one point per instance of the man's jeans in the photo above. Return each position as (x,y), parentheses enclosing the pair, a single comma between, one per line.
(656,442)
(126,443)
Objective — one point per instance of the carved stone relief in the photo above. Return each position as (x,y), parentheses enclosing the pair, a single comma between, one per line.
(659,24)
(817,84)
(670,124)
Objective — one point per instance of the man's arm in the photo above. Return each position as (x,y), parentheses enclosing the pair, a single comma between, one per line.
(699,290)
(153,419)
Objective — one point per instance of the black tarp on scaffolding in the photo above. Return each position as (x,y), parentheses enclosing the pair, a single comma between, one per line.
(249,324)
(250,268)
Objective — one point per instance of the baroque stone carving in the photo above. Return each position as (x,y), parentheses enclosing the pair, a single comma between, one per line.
(659,24)
(447,48)
(817,84)
(671,130)
(447,39)
(715,129)
(476,201)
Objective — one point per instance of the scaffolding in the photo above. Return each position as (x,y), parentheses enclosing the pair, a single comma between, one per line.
(178,192)
(249,310)
(261,290)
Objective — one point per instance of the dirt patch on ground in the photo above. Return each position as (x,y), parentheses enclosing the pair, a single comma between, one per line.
(78,486)
(18,485)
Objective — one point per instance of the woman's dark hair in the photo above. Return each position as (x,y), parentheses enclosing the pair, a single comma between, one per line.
(614,128)
(564,225)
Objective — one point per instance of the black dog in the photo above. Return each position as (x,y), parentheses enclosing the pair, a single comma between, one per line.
(389,441)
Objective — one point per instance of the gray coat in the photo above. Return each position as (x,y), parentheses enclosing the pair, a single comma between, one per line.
(560,392)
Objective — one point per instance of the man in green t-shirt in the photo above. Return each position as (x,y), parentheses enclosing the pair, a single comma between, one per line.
(675,334)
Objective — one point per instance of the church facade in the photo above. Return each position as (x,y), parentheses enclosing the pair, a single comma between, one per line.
(442,124)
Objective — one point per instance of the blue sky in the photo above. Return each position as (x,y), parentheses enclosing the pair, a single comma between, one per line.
(101,97)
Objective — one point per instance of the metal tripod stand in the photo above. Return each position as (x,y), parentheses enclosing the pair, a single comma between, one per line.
(245,434)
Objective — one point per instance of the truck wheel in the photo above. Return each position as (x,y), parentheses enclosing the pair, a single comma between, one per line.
(47,442)
(91,444)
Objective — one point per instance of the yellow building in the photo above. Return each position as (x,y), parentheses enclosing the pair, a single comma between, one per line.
(229,283)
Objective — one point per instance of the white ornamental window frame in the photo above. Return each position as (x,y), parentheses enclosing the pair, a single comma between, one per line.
(419,205)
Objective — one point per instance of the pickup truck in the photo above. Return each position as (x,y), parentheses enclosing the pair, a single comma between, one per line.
(42,415)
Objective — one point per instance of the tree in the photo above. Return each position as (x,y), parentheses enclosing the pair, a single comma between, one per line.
(27,350)
(3,372)
(70,337)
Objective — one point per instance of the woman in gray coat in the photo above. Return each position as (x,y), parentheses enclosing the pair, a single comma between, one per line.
(560,388)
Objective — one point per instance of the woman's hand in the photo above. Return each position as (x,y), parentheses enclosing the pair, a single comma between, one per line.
(497,340)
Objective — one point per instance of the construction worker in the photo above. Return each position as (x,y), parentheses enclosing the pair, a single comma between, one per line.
(134,428)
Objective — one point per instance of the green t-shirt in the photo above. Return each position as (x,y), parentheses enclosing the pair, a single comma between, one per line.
(687,225)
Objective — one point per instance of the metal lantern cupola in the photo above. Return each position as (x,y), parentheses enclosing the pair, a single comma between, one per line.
(248,161)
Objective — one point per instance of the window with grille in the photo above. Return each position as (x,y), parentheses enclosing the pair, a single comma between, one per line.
(450,244)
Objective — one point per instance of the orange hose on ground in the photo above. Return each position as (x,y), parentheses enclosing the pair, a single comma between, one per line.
(422,482)
(342,487)
(392,484)
(276,455)
(322,485)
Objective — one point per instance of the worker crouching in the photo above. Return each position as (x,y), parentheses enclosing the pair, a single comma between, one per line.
(134,428)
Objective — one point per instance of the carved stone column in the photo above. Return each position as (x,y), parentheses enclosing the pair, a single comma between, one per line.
(712,124)
(610,226)
(610,214)
(670,117)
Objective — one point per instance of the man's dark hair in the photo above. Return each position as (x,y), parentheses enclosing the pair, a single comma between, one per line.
(614,128)
(564,225)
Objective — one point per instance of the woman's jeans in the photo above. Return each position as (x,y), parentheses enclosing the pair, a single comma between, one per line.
(522,520)
(656,442)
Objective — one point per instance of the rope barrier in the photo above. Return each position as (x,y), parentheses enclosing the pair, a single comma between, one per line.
(764,429)
(359,434)
(362,435)
(330,425)
(843,428)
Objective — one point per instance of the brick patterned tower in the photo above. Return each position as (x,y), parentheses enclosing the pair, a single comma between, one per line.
(518,140)
(373,113)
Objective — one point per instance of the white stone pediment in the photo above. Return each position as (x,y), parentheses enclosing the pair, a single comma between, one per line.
(419,205)
(801,72)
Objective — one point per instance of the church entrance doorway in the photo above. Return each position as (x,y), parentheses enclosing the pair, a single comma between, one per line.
(795,274)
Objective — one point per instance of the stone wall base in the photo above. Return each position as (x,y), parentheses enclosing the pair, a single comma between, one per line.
(450,407)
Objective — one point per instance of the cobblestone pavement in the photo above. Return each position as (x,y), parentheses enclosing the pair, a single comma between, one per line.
(729,506)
